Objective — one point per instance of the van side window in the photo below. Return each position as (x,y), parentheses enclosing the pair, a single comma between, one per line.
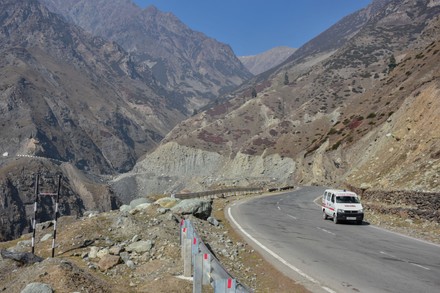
(333,197)
(328,196)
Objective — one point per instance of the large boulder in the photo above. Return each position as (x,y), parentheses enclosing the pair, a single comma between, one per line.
(138,201)
(200,208)
(108,261)
(140,246)
(167,202)
(37,288)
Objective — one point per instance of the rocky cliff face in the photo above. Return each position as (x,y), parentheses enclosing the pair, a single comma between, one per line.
(188,67)
(72,97)
(192,169)
(17,197)
(260,63)
(350,112)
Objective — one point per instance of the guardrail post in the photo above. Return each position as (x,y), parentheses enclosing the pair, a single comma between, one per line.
(231,284)
(195,247)
(182,225)
(225,286)
(206,266)
(198,273)
(183,236)
(187,258)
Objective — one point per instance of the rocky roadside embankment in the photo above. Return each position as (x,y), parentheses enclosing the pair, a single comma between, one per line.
(134,249)
(413,213)
(137,249)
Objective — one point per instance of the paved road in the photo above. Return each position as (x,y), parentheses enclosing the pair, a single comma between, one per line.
(289,230)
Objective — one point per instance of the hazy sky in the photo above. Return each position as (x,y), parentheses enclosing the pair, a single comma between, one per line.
(254,26)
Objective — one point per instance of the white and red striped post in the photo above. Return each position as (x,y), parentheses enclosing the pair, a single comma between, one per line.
(198,273)
(56,215)
(183,237)
(34,221)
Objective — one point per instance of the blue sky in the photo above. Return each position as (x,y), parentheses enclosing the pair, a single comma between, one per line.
(253,26)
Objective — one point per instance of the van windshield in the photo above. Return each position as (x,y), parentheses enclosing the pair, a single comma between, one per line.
(347,199)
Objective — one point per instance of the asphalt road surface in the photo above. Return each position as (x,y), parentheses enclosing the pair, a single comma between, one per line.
(289,231)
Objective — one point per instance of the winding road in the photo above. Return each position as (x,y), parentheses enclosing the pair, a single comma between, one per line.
(289,231)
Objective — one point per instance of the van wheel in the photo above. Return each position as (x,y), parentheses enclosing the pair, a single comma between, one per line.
(335,219)
(324,215)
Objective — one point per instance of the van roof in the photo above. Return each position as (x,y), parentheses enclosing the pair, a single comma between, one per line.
(341,192)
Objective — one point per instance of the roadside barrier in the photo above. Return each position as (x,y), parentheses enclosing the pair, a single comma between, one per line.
(203,266)
(229,192)
(219,193)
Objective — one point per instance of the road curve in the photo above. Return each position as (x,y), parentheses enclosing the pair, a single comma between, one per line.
(289,231)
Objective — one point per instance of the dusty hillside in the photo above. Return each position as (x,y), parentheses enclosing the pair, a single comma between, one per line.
(350,115)
(410,137)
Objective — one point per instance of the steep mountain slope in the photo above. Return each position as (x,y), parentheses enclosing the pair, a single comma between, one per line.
(73,97)
(190,68)
(260,63)
(346,90)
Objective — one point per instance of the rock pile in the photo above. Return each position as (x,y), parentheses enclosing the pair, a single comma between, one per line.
(406,204)
(132,247)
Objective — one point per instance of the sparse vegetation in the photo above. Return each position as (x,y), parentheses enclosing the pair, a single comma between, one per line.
(371,115)
(392,63)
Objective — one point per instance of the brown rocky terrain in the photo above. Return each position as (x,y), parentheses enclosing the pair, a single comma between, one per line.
(361,112)
(67,95)
(95,254)
(412,213)
(89,102)
(357,106)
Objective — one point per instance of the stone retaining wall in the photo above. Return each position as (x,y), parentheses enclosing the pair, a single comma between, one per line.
(404,203)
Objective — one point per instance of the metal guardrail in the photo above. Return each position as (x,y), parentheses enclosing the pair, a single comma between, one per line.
(205,268)
(225,192)
(199,261)
(230,192)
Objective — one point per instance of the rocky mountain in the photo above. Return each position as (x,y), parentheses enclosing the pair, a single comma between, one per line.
(260,63)
(189,68)
(73,98)
(354,106)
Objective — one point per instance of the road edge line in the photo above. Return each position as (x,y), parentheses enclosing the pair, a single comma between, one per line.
(276,256)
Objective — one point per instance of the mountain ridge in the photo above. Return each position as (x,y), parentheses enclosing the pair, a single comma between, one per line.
(189,68)
(310,116)
(262,62)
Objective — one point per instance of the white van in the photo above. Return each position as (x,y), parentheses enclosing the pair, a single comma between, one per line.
(342,205)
